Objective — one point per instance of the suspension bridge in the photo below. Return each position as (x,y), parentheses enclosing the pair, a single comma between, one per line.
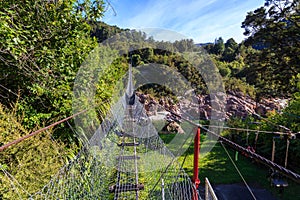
(125,158)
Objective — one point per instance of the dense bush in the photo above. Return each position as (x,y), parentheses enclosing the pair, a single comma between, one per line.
(28,166)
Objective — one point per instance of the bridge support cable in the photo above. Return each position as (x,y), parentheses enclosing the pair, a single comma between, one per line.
(91,172)
(288,173)
(39,131)
(240,174)
(193,192)
(126,149)
(128,164)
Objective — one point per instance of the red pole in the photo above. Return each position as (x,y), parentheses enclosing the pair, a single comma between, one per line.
(196,179)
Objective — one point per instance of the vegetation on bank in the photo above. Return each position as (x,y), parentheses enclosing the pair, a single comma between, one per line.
(28,166)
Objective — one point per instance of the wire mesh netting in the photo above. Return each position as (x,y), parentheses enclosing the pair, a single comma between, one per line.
(124,159)
(109,166)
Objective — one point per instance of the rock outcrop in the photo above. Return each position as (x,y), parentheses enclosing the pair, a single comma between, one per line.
(214,106)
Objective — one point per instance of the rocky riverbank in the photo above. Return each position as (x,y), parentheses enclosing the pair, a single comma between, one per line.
(233,104)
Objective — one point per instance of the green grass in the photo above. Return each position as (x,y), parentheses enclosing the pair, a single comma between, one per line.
(217,166)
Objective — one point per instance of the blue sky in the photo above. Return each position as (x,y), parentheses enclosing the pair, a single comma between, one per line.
(201,20)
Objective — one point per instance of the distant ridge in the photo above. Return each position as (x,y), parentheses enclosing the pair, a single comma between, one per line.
(203,44)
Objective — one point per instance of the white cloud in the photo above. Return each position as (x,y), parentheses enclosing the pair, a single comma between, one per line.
(202,20)
(163,34)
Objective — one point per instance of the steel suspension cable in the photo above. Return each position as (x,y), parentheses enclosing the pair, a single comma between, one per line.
(238,171)
(250,130)
(294,176)
(2,148)
(169,165)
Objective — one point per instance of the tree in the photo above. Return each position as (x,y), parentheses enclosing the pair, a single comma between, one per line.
(43,44)
(230,51)
(103,31)
(219,46)
(274,30)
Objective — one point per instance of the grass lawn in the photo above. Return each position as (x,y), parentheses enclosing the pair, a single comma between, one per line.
(217,166)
